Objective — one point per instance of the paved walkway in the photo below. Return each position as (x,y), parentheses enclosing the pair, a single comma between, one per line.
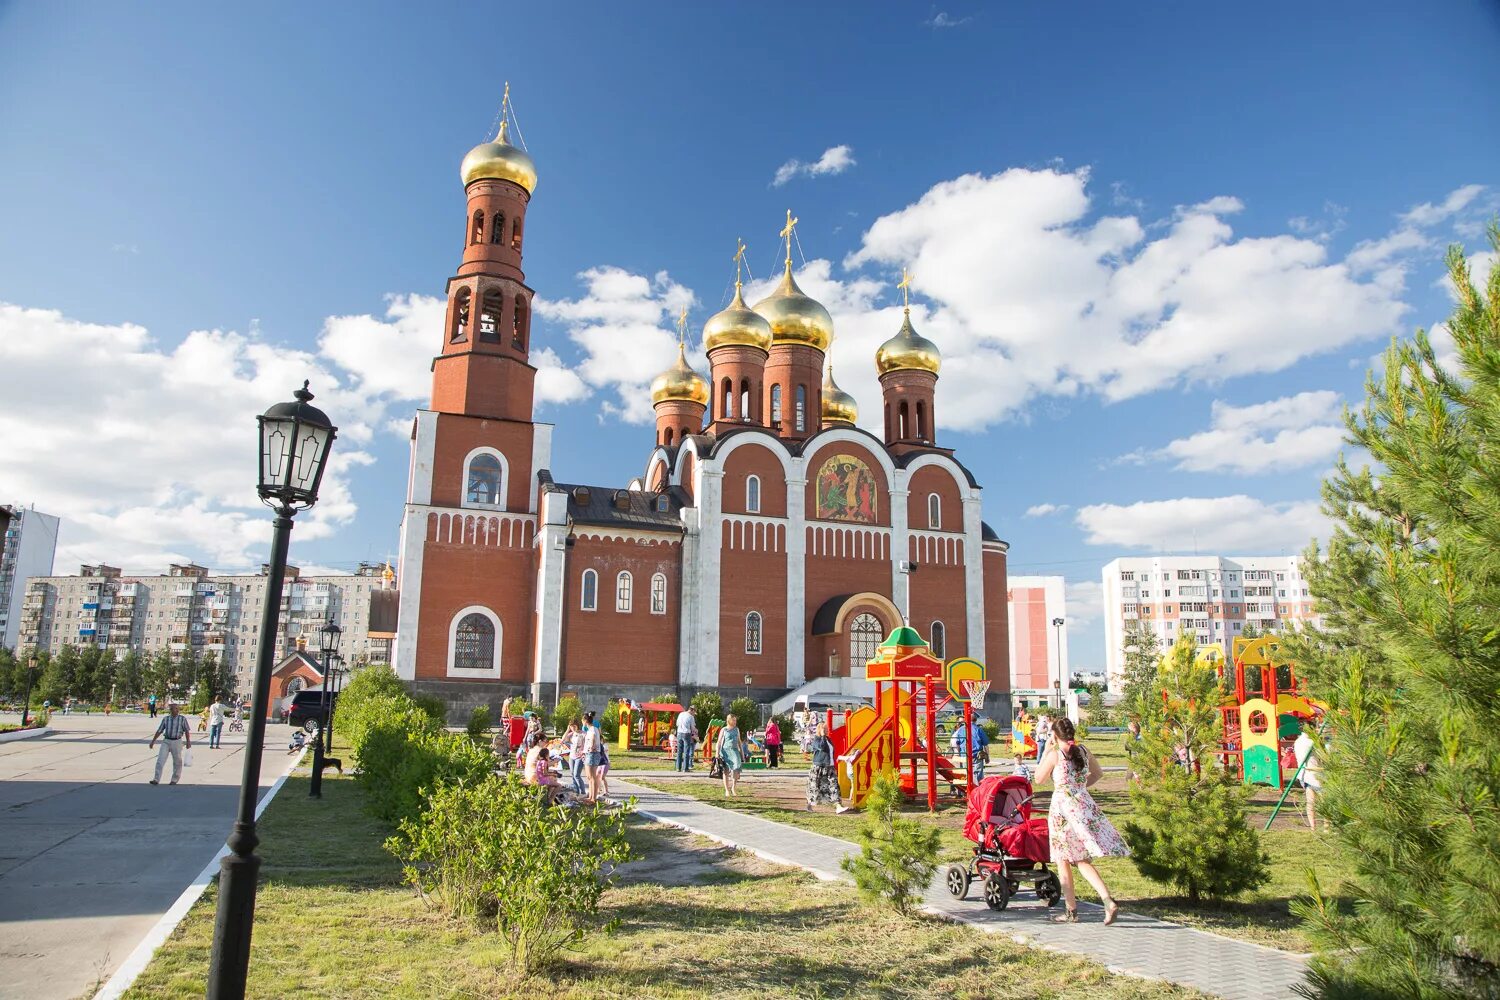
(91,855)
(1134,944)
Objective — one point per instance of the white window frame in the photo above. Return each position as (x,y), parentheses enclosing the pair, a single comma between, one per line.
(659,594)
(453,671)
(504,489)
(624,592)
(932,632)
(760,633)
(752,494)
(934,512)
(584,602)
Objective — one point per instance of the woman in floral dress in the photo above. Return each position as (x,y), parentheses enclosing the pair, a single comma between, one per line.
(1079,831)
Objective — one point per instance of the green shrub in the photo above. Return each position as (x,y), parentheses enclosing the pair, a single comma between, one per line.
(991,729)
(609,722)
(435,707)
(371,682)
(479,725)
(707,706)
(748,713)
(569,709)
(358,719)
(491,849)
(897,856)
(520,706)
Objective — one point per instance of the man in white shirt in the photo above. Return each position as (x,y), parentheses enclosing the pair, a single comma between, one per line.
(687,737)
(215,723)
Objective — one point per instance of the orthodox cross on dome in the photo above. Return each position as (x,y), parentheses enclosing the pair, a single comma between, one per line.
(905,285)
(739,260)
(787,233)
(682,328)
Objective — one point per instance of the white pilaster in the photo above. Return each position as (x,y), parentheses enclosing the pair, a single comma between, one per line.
(900,540)
(709,491)
(974,573)
(796,575)
(423,447)
(409,572)
(541,458)
(550,581)
(689,651)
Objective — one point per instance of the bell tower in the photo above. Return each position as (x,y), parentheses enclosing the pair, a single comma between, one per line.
(908,364)
(484,368)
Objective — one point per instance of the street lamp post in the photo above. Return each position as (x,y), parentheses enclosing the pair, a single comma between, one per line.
(339,673)
(30,680)
(295,440)
(328,636)
(1057,623)
(748,681)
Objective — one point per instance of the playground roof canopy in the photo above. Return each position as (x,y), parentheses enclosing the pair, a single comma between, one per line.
(904,635)
(660,706)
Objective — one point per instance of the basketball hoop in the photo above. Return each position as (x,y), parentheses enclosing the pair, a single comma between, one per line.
(976,690)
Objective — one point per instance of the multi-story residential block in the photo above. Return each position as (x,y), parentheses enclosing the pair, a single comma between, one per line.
(1215,597)
(190,609)
(28,542)
(1038,649)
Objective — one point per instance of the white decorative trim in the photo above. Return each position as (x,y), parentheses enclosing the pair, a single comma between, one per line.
(760,621)
(409,572)
(541,458)
(490,674)
(688,589)
(847,436)
(772,444)
(703,668)
(423,451)
(625,604)
(665,595)
(974,575)
(755,509)
(583,592)
(900,543)
(553,542)
(666,536)
(796,576)
(503,492)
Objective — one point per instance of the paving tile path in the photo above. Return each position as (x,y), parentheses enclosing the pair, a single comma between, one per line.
(1134,944)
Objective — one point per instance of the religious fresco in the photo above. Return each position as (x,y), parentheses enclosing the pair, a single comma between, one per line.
(847,490)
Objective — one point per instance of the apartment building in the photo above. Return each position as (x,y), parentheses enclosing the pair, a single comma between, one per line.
(29,540)
(1038,649)
(189,608)
(1214,597)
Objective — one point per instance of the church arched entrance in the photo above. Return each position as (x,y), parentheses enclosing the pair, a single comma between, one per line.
(847,630)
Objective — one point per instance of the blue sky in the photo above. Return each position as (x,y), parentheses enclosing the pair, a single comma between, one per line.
(1127,225)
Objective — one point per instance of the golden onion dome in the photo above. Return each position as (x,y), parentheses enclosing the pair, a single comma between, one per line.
(838,406)
(736,325)
(795,318)
(680,383)
(500,161)
(908,350)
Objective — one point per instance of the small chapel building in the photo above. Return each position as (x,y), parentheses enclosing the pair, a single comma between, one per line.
(768,546)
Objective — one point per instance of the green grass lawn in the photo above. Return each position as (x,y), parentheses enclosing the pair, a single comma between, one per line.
(334,920)
(1263,916)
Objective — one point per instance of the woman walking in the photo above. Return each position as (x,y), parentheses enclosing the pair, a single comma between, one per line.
(1079,831)
(731,751)
(822,779)
(773,744)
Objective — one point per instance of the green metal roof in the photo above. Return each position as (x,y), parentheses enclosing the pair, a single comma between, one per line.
(904,636)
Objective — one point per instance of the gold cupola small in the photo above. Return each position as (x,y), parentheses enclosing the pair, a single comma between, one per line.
(680,382)
(908,350)
(737,325)
(839,407)
(498,159)
(795,318)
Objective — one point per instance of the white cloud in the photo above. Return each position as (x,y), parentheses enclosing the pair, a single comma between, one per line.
(1084,603)
(1238,523)
(623,324)
(1044,509)
(943,19)
(835,160)
(1286,433)
(149,452)
(1428,214)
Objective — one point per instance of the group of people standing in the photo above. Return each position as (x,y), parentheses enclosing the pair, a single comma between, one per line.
(583,755)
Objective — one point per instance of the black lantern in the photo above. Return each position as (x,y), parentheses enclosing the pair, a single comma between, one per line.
(295,439)
(330,634)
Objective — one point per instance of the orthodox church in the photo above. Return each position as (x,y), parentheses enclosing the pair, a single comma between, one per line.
(768,546)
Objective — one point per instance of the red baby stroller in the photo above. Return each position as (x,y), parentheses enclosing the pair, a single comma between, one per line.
(1010,845)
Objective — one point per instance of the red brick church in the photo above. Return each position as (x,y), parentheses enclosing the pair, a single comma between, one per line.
(769,543)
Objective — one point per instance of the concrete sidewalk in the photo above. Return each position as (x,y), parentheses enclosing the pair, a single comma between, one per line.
(1134,944)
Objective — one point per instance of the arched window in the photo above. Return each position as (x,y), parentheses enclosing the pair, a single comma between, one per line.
(474,643)
(903,421)
(726,401)
(775,406)
(484,479)
(515,235)
(659,594)
(939,641)
(460,317)
(518,330)
(745,407)
(489,317)
(864,639)
(623,592)
(801,424)
(667,439)
(590,599)
(683,435)
(934,511)
(497,228)
(752,494)
(476,235)
(752,633)
(888,435)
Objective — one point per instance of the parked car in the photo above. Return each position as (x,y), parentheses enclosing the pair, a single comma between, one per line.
(308,711)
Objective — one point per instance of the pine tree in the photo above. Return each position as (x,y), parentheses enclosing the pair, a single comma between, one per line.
(1409,658)
(1142,648)
(1188,829)
(898,855)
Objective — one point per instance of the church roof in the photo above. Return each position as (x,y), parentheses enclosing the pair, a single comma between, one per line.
(986,533)
(609,505)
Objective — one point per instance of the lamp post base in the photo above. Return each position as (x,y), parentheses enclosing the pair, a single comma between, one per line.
(315,787)
(235,920)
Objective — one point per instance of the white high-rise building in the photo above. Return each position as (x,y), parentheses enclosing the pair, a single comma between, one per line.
(1215,597)
(29,543)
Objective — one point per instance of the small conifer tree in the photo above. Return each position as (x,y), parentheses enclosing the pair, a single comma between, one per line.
(1142,648)
(898,855)
(1408,656)
(1188,829)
